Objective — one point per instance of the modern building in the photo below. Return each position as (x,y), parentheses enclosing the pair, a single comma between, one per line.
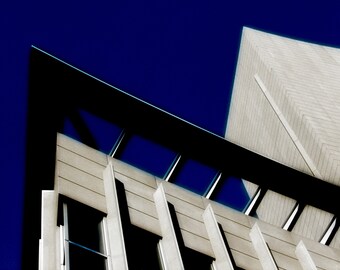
(87,208)
(285,106)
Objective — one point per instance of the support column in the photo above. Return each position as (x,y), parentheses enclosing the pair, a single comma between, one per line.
(223,260)
(262,249)
(169,245)
(304,257)
(47,243)
(115,230)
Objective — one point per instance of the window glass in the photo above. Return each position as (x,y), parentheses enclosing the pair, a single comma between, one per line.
(82,259)
(141,249)
(193,259)
(141,246)
(83,237)
(84,226)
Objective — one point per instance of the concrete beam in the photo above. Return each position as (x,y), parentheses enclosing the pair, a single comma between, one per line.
(169,245)
(115,230)
(47,243)
(262,249)
(223,260)
(304,257)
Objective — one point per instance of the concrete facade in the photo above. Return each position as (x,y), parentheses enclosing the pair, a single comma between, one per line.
(285,103)
(285,106)
(138,217)
(88,176)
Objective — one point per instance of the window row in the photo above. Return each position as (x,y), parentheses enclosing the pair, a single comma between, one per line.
(188,173)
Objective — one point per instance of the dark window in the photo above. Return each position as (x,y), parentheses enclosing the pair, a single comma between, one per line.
(192,259)
(81,258)
(141,246)
(141,249)
(195,260)
(83,237)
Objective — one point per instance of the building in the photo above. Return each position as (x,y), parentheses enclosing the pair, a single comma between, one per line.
(88,207)
(285,106)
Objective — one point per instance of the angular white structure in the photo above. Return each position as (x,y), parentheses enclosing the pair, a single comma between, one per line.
(87,209)
(215,236)
(286,106)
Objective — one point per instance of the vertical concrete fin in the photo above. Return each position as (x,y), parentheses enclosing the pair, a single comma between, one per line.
(48,242)
(115,231)
(262,249)
(169,245)
(223,260)
(40,261)
(304,257)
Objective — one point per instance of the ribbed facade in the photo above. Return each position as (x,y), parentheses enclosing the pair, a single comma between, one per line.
(285,106)
(226,238)
(286,95)
(98,212)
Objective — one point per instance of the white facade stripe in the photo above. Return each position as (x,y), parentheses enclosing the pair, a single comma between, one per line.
(114,224)
(171,252)
(223,261)
(304,257)
(48,231)
(262,249)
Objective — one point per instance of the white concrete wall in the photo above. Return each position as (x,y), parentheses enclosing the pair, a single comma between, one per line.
(140,188)
(298,121)
(272,204)
(79,173)
(313,223)
(285,106)
(253,122)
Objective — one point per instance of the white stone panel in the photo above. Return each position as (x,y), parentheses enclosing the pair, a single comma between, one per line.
(303,81)
(275,208)
(312,223)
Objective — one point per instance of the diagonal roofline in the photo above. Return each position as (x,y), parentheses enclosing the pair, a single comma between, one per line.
(57,88)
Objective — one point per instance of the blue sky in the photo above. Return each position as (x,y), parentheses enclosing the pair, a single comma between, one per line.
(178,55)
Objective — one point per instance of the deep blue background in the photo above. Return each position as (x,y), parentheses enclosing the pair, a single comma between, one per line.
(178,55)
